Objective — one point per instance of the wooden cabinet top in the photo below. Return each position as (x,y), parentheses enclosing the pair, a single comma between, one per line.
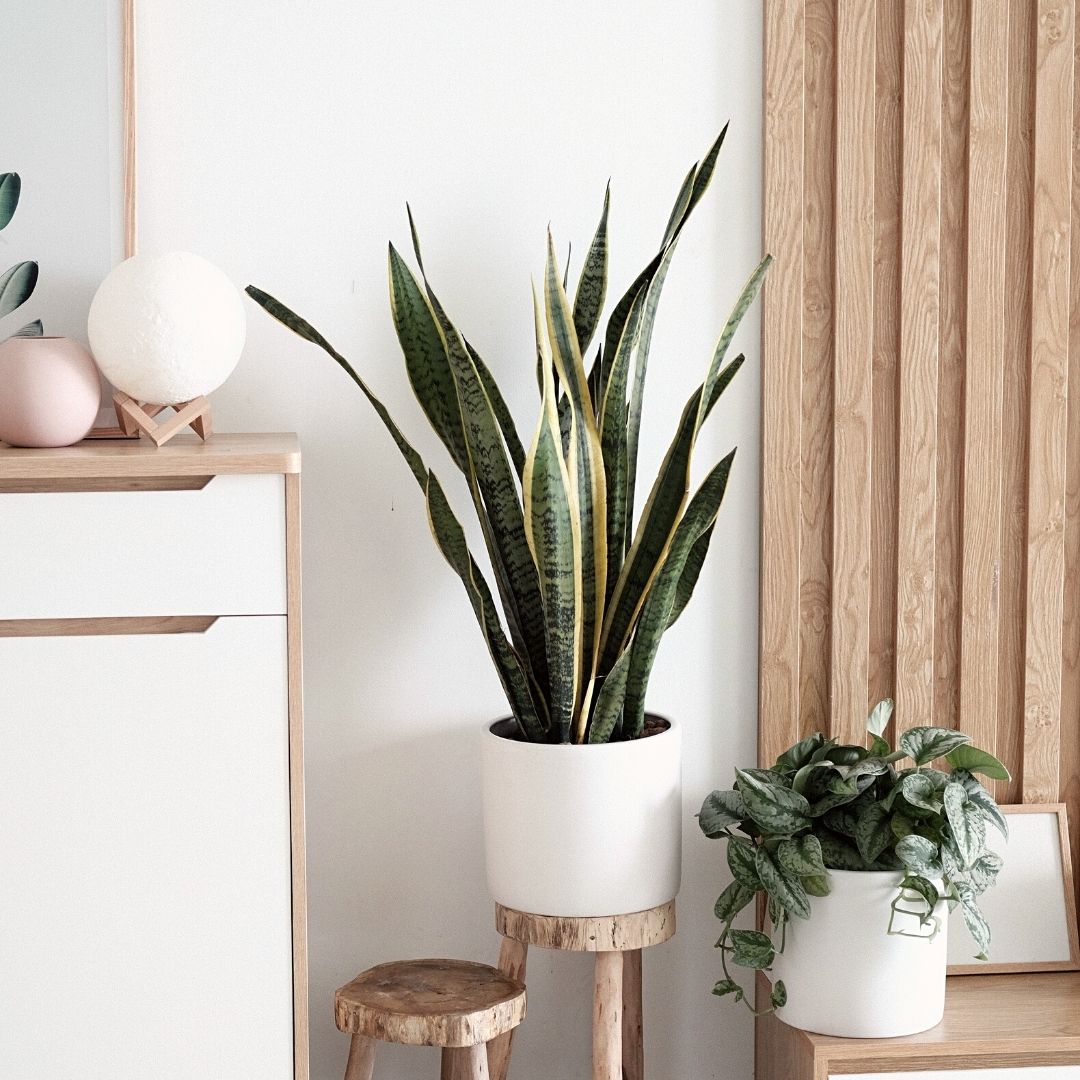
(183,456)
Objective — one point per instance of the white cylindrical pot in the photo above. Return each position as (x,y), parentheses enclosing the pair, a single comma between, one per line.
(582,830)
(846,975)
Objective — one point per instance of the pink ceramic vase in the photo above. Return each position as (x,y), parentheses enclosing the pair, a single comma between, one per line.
(50,391)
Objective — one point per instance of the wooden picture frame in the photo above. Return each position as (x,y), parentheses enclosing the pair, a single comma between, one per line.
(1039,892)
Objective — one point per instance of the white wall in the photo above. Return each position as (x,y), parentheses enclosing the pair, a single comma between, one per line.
(281,140)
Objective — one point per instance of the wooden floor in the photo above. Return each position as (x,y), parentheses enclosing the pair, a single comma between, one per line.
(1000,1020)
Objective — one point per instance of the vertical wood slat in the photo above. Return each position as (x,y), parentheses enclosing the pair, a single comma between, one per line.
(781,410)
(984,381)
(884,472)
(1051,228)
(853,378)
(819,147)
(917,515)
(1014,412)
(955,77)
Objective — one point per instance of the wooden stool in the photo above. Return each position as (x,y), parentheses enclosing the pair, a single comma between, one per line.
(454,1004)
(617,940)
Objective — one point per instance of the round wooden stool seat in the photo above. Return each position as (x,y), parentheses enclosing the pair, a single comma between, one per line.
(602,933)
(449,1003)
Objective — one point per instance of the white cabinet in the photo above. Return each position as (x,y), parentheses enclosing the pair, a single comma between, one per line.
(151,812)
(1041,1072)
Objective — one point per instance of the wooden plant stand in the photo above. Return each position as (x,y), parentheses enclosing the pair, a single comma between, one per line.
(135,416)
(617,940)
(455,1004)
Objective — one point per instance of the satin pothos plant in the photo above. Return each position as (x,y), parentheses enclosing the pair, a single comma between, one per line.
(586,595)
(18,282)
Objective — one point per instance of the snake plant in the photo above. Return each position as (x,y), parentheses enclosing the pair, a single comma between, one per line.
(586,597)
(17,283)
(824,806)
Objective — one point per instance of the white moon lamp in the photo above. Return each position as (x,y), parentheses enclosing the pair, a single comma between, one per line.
(167,328)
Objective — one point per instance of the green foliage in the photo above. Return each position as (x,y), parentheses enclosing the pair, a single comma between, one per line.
(824,806)
(18,282)
(586,595)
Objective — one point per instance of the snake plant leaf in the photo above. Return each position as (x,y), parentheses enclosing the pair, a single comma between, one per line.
(302,328)
(502,412)
(658,522)
(691,572)
(585,464)
(426,362)
(719,811)
(10,187)
(450,538)
(973,760)
(733,900)
(609,702)
(781,886)
(17,285)
(777,810)
(682,204)
(705,171)
(592,285)
(660,603)
(31,329)
(966,822)
(552,529)
(878,720)
(924,744)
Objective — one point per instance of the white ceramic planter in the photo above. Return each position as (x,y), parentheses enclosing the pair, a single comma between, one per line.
(846,975)
(582,830)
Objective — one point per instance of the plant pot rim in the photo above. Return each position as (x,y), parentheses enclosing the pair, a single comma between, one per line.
(865,873)
(511,736)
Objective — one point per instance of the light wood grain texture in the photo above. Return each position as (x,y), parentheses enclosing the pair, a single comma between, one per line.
(983,386)
(781,407)
(955,80)
(605,933)
(819,245)
(184,456)
(361,1063)
(465,1063)
(1051,232)
(633,1024)
(135,416)
(513,958)
(917,513)
(607,1017)
(1070,636)
(853,375)
(1015,394)
(884,465)
(145,624)
(135,483)
(129,122)
(297,811)
(430,1003)
(1042,1028)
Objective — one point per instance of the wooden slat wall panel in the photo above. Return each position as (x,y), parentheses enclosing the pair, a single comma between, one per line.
(781,381)
(921,504)
(853,363)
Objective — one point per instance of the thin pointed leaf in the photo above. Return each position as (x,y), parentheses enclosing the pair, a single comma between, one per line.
(682,204)
(502,412)
(705,173)
(609,703)
(17,285)
(691,571)
(551,525)
(660,603)
(592,285)
(32,329)
(585,465)
(426,362)
(10,187)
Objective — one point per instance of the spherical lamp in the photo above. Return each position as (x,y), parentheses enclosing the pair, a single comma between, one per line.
(166,328)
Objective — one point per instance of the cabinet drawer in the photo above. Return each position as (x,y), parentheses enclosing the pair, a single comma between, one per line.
(219,550)
(145,856)
(1037,1072)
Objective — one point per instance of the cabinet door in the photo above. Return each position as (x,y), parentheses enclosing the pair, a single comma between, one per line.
(1038,1072)
(145,913)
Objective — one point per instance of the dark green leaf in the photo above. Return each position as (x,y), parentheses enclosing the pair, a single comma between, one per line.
(917,853)
(17,285)
(801,856)
(924,889)
(973,760)
(778,997)
(502,412)
(793,759)
(719,811)
(777,810)
(742,863)
(752,949)
(733,900)
(924,744)
(592,285)
(784,888)
(728,986)
(10,186)
(609,703)
(838,853)
(873,833)
(816,884)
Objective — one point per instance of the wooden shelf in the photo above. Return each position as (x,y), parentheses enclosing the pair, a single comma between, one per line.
(131,458)
(990,1020)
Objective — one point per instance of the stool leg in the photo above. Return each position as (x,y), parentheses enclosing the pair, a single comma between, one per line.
(361,1058)
(512,959)
(607,1016)
(633,1045)
(465,1063)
